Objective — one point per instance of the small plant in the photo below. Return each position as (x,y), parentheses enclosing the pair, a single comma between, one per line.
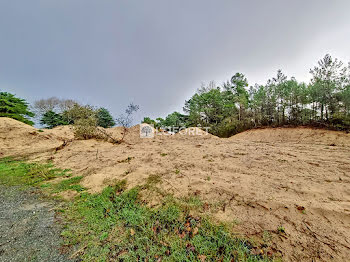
(154,179)
(281,229)
(127,160)
(163,154)
(267,237)
(177,171)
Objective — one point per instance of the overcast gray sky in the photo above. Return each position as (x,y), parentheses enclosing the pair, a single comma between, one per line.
(156,53)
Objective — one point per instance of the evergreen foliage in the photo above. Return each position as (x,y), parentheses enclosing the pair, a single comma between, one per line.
(233,107)
(52,119)
(104,118)
(14,107)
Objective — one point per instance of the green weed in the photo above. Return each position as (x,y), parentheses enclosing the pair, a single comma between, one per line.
(117,225)
(281,229)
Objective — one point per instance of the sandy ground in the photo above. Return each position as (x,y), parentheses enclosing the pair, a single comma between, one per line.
(292,178)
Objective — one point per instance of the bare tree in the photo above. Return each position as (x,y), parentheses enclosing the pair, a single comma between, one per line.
(54,104)
(125,120)
(43,105)
(66,104)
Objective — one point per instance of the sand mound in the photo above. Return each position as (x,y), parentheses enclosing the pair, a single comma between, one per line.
(13,126)
(290,180)
(62,132)
(133,133)
(67,132)
(263,178)
(116,132)
(192,132)
(296,135)
(17,138)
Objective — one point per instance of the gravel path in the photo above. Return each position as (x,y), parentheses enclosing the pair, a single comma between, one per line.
(28,231)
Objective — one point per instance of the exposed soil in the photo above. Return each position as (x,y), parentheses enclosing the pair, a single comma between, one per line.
(297,179)
(28,231)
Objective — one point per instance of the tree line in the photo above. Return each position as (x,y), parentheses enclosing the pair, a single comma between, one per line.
(88,121)
(234,106)
(52,111)
(227,109)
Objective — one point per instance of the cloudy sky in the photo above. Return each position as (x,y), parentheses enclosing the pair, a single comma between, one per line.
(157,53)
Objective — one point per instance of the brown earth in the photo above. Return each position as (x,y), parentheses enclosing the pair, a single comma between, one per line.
(296,179)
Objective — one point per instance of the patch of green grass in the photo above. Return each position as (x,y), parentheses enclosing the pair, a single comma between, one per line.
(192,202)
(13,173)
(116,225)
(21,173)
(68,184)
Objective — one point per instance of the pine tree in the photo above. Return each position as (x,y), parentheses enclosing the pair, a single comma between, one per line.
(104,118)
(52,119)
(14,107)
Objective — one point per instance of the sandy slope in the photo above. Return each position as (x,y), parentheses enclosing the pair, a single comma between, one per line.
(298,178)
(301,135)
(17,138)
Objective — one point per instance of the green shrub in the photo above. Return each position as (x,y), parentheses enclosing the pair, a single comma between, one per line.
(85,128)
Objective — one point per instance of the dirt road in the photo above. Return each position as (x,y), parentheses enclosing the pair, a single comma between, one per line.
(28,231)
